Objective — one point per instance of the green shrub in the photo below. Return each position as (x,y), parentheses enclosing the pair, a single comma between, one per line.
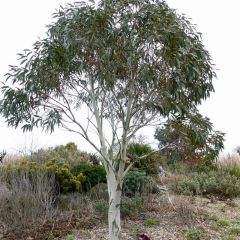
(188,186)
(101,206)
(224,222)
(194,233)
(214,182)
(228,236)
(132,207)
(235,230)
(150,221)
(69,153)
(94,174)
(137,183)
(70,237)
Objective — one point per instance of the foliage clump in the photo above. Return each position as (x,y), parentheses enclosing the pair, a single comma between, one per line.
(150,221)
(94,174)
(194,233)
(144,158)
(190,138)
(68,153)
(137,183)
(132,207)
(66,181)
(213,182)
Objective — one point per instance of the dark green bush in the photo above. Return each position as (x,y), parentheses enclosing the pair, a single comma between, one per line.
(94,174)
(214,182)
(188,186)
(147,164)
(137,183)
(138,149)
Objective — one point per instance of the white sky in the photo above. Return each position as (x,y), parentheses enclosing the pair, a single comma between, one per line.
(22,22)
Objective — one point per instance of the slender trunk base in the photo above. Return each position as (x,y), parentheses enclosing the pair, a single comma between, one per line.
(114,221)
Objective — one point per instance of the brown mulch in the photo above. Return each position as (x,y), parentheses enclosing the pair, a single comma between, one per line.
(187,212)
(41,232)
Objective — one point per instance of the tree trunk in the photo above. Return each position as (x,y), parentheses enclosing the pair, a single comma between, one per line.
(114,221)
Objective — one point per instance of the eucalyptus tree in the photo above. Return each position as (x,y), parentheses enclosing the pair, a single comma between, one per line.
(130,63)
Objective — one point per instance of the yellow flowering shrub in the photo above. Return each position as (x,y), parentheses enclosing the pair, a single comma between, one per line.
(65,181)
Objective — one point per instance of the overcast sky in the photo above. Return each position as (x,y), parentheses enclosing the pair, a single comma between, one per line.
(22,22)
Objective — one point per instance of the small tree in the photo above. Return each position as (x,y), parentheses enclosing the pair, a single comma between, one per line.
(119,65)
(191,139)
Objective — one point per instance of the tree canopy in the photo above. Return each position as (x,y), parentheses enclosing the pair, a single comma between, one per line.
(120,50)
(191,139)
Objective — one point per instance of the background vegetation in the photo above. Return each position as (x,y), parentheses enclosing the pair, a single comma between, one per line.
(40,187)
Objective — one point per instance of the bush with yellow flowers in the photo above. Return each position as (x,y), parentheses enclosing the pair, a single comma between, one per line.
(65,181)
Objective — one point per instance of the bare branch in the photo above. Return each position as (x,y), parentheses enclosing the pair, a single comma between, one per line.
(158,151)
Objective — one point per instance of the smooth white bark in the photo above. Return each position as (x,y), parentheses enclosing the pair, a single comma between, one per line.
(114,220)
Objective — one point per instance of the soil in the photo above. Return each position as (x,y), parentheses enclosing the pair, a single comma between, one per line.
(188,218)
